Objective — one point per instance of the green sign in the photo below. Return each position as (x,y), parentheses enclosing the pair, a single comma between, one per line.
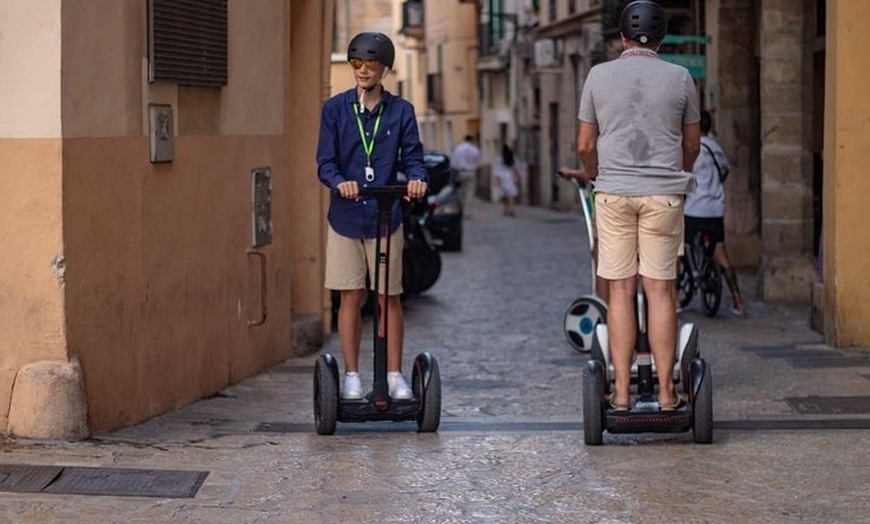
(686,39)
(696,64)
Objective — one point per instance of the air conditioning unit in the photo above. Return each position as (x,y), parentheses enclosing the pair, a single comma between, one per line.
(546,53)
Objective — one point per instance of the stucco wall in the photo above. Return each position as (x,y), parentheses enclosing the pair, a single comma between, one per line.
(30,79)
(846,184)
(158,285)
(31,267)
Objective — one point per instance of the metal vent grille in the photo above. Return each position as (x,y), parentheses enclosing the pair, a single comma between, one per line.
(187,41)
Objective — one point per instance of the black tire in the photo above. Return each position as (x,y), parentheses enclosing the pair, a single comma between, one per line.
(429,395)
(593,403)
(711,288)
(431,269)
(702,406)
(685,282)
(580,320)
(325,396)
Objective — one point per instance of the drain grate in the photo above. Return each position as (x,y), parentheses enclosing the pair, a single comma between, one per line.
(16,478)
(446,426)
(119,482)
(569,362)
(467,426)
(814,405)
(294,370)
(829,362)
(792,352)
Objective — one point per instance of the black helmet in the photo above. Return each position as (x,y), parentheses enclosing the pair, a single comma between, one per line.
(372,45)
(643,21)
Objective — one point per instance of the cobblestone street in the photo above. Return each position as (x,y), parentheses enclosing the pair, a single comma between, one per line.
(510,447)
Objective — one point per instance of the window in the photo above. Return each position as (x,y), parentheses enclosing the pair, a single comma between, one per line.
(187,42)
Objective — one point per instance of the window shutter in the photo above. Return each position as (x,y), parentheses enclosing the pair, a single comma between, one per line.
(187,42)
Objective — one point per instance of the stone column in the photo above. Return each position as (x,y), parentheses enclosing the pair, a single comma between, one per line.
(733,97)
(787,263)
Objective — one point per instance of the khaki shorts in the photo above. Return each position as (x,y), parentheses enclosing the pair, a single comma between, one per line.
(639,235)
(349,260)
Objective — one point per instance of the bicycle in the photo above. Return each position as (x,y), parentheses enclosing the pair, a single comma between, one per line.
(699,271)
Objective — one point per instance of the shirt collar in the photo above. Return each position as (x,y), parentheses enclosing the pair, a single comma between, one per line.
(351,97)
(639,51)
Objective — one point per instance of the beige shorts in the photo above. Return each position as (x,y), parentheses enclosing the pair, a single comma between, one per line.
(639,235)
(349,260)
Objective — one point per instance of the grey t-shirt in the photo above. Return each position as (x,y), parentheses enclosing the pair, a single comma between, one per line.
(640,104)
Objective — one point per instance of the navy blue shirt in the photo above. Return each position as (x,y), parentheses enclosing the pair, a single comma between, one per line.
(341,157)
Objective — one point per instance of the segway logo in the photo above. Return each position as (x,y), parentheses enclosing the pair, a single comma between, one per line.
(381,404)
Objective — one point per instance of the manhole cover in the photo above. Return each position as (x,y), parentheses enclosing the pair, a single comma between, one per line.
(814,405)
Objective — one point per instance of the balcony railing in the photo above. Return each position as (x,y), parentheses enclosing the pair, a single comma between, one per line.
(487,44)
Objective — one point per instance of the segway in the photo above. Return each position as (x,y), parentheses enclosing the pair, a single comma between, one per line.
(586,312)
(691,374)
(425,405)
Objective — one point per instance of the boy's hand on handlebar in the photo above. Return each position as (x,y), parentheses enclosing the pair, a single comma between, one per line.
(416,189)
(348,190)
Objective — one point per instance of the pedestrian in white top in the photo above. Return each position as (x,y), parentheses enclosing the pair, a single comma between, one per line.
(466,160)
(705,207)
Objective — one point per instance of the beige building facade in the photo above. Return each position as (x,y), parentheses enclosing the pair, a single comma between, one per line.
(137,279)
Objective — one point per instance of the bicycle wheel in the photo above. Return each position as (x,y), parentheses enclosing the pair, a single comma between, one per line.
(685,282)
(711,287)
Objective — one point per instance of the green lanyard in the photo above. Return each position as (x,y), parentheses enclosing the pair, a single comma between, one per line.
(368,147)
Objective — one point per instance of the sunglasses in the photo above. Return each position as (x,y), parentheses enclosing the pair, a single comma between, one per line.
(370,63)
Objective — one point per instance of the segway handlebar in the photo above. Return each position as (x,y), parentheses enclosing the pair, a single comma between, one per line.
(385,191)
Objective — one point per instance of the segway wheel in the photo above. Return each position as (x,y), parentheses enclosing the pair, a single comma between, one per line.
(702,405)
(712,288)
(581,317)
(685,282)
(325,395)
(593,403)
(426,385)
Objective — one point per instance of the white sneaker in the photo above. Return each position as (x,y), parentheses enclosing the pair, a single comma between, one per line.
(398,388)
(352,389)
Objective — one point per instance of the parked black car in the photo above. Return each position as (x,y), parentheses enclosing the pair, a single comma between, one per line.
(445,214)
